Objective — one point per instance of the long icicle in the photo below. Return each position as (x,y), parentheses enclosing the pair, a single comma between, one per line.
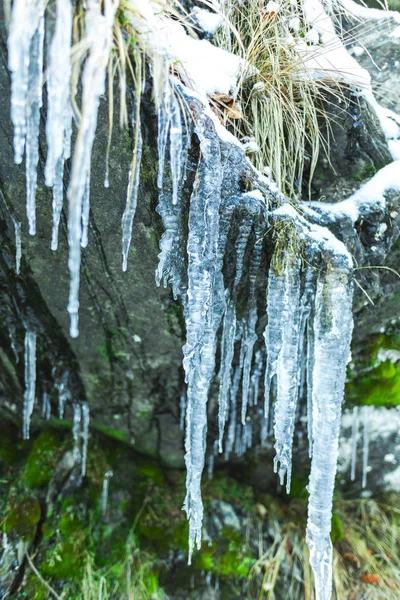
(287,366)
(333,324)
(134,173)
(203,312)
(59,111)
(30,382)
(99,32)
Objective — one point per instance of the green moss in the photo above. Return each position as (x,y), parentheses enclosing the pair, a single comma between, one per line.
(366,171)
(151,471)
(65,559)
(43,458)
(23,517)
(116,434)
(337,529)
(373,382)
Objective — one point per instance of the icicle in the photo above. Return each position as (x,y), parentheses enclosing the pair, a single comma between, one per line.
(171,266)
(34,105)
(85,436)
(104,495)
(18,246)
(59,112)
(132,191)
(182,408)
(230,440)
(63,396)
(203,312)
(30,381)
(259,360)
(333,323)
(99,35)
(264,432)
(176,149)
(211,460)
(240,247)
(171,262)
(46,406)
(76,433)
(366,420)
(164,120)
(310,363)
(227,352)
(354,436)
(26,21)
(282,337)
(85,213)
(250,336)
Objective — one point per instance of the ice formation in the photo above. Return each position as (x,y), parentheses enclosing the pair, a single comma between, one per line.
(30,382)
(104,494)
(99,31)
(294,346)
(367,414)
(354,437)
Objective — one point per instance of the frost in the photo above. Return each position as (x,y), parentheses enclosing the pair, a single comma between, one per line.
(30,382)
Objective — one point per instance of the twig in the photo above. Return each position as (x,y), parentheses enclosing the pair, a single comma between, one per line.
(38,575)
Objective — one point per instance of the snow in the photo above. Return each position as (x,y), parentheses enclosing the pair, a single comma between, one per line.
(207,20)
(205,68)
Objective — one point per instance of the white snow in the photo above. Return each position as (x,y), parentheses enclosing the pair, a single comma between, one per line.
(207,20)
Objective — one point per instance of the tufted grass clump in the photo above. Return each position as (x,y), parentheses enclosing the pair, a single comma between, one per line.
(285,107)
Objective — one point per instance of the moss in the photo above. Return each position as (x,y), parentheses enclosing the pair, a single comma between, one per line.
(65,559)
(366,171)
(337,529)
(43,458)
(116,434)
(23,517)
(373,382)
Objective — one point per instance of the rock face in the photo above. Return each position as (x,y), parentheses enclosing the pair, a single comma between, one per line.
(127,360)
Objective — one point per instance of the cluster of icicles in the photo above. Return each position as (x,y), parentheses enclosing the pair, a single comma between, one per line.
(80,428)
(305,344)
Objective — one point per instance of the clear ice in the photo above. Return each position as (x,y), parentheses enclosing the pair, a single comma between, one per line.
(30,382)
(99,35)
(59,111)
(133,188)
(333,323)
